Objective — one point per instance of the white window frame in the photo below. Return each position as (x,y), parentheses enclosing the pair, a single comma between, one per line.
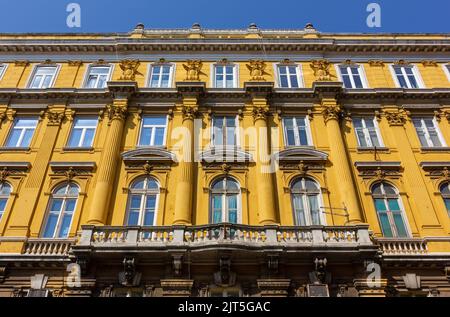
(427,134)
(83,132)
(54,76)
(415,71)
(22,133)
(144,193)
(61,211)
(385,198)
(88,72)
(300,79)
(225,211)
(296,135)
(3,70)
(361,72)
(446,70)
(152,138)
(237,131)
(150,71)
(366,132)
(235,75)
(308,216)
(5,197)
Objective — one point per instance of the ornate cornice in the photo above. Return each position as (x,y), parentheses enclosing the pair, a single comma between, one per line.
(126,44)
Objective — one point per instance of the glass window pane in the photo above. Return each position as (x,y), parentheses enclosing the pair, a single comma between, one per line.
(400,225)
(445,189)
(311,185)
(232,208)
(385,225)
(135,201)
(159,136)
(303,136)
(150,202)
(154,121)
(380,205)
(447,204)
(315,211)
(65,226)
(70,205)
(389,190)
(56,205)
(402,81)
(299,210)
(5,189)
(217,208)
(232,185)
(88,137)
(75,137)
(146,135)
(28,135)
(282,69)
(393,205)
(347,82)
(14,138)
(284,81)
(152,184)
(3,202)
(49,230)
(149,218)
(133,218)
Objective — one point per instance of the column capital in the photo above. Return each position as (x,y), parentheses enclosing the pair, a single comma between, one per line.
(395,116)
(117,110)
(332,112)
(55,116)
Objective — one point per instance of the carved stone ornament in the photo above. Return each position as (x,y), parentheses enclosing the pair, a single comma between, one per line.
(396,117)
(376,63)
(260,113)
(321,70)
(4,173)
(257,70)
(117,111)
(429,63)
(54,117)
(332,112)
(129,69)
(193,70)
(189,112)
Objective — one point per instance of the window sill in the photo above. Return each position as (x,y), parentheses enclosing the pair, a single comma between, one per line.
(435,149)
(151,147)
(14,149)
(372,149)
(299,147)
(78,149)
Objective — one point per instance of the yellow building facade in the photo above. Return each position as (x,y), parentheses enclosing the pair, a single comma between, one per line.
(224,163)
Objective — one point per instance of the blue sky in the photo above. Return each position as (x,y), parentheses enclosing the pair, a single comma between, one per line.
(425,16)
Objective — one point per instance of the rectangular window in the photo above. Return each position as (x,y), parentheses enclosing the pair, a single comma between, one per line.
(160,76)
(43,77)
(83,132)
(288,76)
(2,70)
(97,76)
(297,131)
(225,131)
(153,131)
(367,132)
(22,132)
(352,76)
(428,132)
(407,76)
(224,76)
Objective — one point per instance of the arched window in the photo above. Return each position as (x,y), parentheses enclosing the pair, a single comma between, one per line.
(225,201)
(60,211)
(389,211)
(142,202)
(306,202)
(5,191)
(445,191)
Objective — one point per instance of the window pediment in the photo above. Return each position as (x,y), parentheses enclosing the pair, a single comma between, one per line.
(141,156)
(298,154)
